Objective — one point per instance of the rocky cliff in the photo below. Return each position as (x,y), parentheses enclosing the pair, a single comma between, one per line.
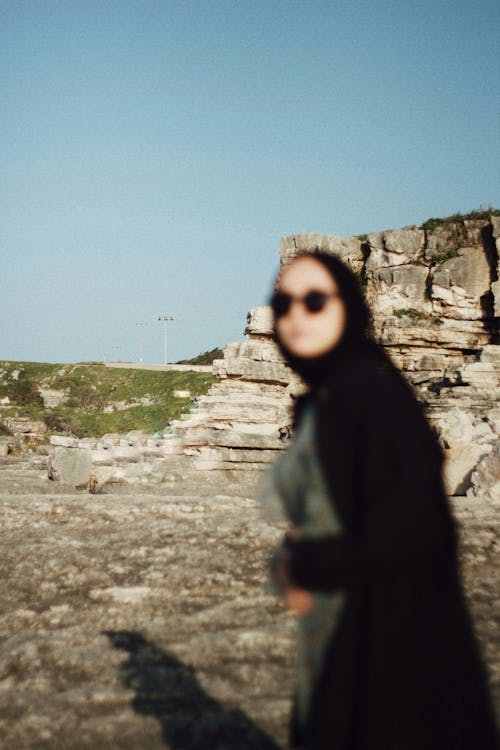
(435,296)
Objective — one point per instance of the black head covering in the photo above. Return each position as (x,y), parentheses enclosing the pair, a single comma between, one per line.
(357,332)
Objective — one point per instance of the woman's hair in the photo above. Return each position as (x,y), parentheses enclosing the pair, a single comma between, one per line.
(358,324)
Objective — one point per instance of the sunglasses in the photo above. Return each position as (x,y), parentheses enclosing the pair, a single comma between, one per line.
(313,301)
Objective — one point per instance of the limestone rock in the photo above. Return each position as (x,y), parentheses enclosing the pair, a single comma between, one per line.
(25,425)
(250,369)
(408,241)
(53,398)
(494,419)
(467,439)
(5,446)
(459,283)
(394,247)
(431,297)
(491,353)
(417,330)
(495,288)
(348,248)
(64,441)
(397,287)
(258,350)
(259,322)
(485,478)
(481,375)
(123,594)
(449,237)
(461,460)
(71,466)
(235,438)
(495,224)
(461,428)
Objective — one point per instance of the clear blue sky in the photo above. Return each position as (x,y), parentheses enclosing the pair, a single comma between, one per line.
(153,153)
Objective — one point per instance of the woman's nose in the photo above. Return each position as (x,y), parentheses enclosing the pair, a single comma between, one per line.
(296,310)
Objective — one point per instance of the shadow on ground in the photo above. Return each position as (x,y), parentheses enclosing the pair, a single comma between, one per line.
(168,690)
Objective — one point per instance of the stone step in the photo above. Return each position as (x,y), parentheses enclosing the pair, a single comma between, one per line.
(250,369)
(249,399)
(230,385)
(218,454)
(260,351)
(482,374)
(491,353)
(223,411)
(232,438)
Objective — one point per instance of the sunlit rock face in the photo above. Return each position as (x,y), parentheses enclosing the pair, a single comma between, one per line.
(434,296)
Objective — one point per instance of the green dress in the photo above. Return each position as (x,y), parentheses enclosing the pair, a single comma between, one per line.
(293,490)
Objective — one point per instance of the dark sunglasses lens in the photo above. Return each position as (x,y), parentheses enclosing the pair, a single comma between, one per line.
(315,301)
(280,302)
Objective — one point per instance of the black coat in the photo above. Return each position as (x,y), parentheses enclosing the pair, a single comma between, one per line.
(403,670)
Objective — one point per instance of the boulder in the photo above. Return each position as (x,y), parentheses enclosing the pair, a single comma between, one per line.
(250,369)
(25,425)
(397,288)
(408,242)
(71,466)
(458,284)
(53,398)
(461,461)
(259,322)
(261,351)
(485,478)
(394,247)
(481,375)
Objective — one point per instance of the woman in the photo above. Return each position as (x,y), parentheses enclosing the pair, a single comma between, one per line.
(387,659)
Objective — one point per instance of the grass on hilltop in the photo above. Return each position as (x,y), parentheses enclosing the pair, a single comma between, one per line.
(432,224)
(205,358)
(91,387)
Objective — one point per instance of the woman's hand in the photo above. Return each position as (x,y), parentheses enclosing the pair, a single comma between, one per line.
(298,601)
(293,534)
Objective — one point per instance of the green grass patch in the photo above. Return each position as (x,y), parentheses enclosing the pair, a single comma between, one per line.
(89,388)
(205,358)
(441,257)
(432,224)
(416,316)
(409,312)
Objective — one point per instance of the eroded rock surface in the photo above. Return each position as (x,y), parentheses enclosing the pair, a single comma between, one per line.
(139,621)
(142,621)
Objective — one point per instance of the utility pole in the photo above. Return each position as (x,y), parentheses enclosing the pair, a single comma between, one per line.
(165,319)
(141,341)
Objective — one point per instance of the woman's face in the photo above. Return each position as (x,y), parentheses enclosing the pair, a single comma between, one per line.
(304,333)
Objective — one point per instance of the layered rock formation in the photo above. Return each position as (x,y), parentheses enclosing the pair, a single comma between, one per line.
(434,295)
(432,292)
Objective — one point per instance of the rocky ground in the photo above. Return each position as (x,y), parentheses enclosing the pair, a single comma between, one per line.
(142,621)
(138,621)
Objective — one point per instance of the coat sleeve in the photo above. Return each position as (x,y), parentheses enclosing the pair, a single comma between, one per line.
(400,514)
